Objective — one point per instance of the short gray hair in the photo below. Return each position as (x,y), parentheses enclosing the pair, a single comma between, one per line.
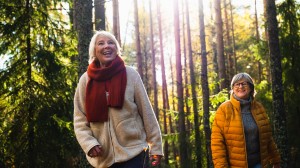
(102,33)
(249,80)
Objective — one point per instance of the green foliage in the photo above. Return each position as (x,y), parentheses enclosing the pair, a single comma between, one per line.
(289,29)
(217,99)
(37,86)
(264,96)
(260,51)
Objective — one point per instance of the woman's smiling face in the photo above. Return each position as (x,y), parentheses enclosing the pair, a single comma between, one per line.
(241,89)
(105,50)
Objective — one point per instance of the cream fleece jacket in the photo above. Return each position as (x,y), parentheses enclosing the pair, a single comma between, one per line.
(127,132)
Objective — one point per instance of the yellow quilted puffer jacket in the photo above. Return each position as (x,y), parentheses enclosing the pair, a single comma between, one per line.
(228,143)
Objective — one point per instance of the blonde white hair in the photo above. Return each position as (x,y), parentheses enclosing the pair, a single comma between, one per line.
(97,34)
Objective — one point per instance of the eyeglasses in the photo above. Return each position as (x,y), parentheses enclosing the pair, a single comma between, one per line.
(237,85)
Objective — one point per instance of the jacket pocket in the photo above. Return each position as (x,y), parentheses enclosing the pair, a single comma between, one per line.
(128,132)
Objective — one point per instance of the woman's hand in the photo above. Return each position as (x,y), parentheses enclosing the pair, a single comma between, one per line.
(277,165)
(155,159)
(95,151)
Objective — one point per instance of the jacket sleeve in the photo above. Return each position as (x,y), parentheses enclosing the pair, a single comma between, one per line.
(81,127)
(145,109)
(218,146)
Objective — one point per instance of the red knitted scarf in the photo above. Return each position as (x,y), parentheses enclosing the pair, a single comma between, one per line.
(105,88)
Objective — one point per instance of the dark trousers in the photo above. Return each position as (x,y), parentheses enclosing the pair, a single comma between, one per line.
(140,161)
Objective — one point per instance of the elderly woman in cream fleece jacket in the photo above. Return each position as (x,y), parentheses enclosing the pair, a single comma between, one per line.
(126,132)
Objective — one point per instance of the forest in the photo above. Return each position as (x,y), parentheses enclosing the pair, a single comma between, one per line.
(185,51)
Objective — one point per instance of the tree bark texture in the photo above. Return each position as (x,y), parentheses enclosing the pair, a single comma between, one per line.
(166,106)
(204,85)
(228,43)
(186,74)
(84,29)
(139,59)
(153,64)
(233,40)
(182,132)
(194,94)
(116,21)
(277,88)
(172,130)
(99,6)
(30,116)
(268,74)
(220,46)
(213,45)
(257,40)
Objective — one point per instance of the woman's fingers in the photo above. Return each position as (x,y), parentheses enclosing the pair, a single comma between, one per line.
(95,151)
(99,150)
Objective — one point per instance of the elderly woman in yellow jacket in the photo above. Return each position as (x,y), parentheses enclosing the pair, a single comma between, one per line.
(241,133)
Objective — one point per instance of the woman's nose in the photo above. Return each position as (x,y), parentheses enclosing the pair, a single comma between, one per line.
(106,45)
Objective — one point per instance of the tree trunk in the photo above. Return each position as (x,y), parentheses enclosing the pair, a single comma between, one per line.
(116,21)
(84,28)
(268,71)
(204,85)
(194,94)
(186,80)
(257,41)
(145,51)
(99,14)
(233,40)
(213,45)
(172,130)
(220,46)
(153,65)
(228,43)
(30,119)
(277,88)
(166,106)
(139,59)
(182,132)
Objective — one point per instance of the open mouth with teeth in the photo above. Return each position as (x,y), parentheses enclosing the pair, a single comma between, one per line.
(107,53)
